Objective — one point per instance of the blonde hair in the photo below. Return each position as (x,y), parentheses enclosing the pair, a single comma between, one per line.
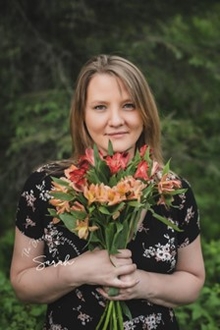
(137,87)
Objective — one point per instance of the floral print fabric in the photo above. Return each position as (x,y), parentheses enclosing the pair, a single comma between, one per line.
(154,249)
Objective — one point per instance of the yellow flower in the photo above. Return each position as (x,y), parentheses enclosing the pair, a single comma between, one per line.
(83,228)
(130,188)
(90,192)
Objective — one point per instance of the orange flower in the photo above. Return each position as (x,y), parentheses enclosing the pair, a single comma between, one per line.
(77,207)
(136,188)
(91,193)
(83,228)
(114,197)
(61,205)
(167,185)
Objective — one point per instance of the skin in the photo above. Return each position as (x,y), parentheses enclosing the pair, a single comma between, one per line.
(109,114)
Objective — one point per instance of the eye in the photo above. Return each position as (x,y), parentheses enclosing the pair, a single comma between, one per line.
(100,107)
(129,106)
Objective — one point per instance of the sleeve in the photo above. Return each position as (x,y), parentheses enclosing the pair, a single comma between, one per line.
(32,213)
(188,216)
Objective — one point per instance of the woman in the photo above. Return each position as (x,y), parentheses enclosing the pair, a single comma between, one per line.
(159,270)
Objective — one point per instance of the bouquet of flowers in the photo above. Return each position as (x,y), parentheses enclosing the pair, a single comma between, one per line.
(100,200)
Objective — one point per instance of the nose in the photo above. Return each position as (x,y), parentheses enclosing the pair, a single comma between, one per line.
(115,117)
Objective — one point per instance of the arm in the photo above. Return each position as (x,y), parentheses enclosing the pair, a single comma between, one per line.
(181,287)
(33,282)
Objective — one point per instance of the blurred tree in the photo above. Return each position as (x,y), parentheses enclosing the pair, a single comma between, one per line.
(43,47)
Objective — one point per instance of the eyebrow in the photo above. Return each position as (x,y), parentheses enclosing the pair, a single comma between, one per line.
(102,101)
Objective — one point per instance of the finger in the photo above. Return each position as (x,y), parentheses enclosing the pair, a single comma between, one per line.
(123,253)
(125,269)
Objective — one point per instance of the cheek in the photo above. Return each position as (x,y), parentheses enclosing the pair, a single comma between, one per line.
(93,123)
(137,122)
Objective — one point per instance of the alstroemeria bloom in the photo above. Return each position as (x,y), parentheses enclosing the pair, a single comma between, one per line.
(167,185)
(129,188)
(114,197)
(155,168)
(89,157)
(94,192)
(142,171)
(61,205)
(78,207)
(117,162)
(83,228)
(77,176)
(143,150)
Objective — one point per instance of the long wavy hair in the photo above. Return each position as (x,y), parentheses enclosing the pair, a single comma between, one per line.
(137,87)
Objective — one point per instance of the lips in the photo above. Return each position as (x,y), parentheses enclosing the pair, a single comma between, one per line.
(116,133)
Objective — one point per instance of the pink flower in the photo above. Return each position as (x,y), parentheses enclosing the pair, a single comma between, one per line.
(142,171)
(88,157)
(155,168)
(117,162)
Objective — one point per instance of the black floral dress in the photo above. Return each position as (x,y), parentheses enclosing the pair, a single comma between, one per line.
(154,250)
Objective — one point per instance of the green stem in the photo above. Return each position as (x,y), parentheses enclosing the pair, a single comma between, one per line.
(120,316)
(114,317)
(99,325)
(109,311)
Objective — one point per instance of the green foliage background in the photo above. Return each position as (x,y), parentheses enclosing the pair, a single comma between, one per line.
(43,46)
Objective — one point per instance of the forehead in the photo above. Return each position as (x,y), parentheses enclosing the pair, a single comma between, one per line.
(106,83)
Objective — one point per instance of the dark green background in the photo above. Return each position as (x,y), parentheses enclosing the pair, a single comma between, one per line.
(176,44)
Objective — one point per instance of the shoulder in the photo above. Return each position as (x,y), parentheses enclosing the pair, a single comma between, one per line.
(44,174)
(188,197)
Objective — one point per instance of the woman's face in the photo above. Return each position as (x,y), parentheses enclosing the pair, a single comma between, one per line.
(111,114)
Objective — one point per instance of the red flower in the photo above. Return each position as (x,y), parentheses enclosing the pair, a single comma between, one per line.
(117,162)
(142,171)
(77,175)
(143,150)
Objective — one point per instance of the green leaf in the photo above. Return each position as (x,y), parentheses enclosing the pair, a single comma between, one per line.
(62,196)
(110,148)
(125,310)
(104,210)
(112,292)
(60,181)
(166,168)
(165,221)
(80,215)
(69,221)
(52,212)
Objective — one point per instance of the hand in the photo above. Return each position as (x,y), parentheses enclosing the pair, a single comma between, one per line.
(98,268)
(130,288)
